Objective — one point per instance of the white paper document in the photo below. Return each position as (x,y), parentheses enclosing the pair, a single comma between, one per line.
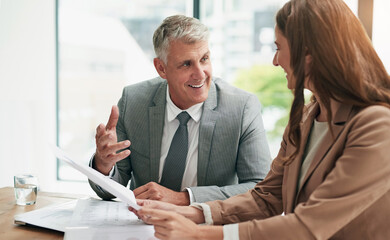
(56,217)
(89,219)
(95,219)
(98,213)
(115,188)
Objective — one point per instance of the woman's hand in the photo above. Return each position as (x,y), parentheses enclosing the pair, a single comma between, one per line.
(169,225)
(153,204)
(189,212)
(176,222)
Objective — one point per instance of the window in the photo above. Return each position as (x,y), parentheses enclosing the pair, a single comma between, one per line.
(242,50)
(103,46)
(380,36)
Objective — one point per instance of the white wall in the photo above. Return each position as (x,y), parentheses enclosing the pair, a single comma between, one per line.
(27,89)
(28,94)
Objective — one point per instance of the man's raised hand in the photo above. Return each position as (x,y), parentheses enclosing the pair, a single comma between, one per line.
(107,145)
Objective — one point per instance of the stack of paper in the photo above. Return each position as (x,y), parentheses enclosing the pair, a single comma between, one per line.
(95,219)
(90,218)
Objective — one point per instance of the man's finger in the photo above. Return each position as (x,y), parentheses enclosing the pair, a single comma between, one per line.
(107,139)
(113,120)
(147,195)
(100,130)
(140,190)
(118,156)
(107,144)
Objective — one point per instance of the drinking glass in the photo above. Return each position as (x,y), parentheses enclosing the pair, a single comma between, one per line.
(26,189)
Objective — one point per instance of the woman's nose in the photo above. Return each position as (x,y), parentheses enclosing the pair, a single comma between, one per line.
(275,60)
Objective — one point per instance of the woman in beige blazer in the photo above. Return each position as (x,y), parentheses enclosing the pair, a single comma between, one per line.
(331,178)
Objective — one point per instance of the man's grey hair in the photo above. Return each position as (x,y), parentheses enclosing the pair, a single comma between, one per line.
(177,27)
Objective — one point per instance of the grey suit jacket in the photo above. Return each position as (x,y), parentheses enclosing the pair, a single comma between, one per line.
(233,150)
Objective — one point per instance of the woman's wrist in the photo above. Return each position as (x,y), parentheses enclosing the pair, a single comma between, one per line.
(209,232)
(192,213)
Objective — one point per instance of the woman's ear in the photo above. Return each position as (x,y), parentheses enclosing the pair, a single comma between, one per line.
(308,63)
(308,60)
(160,67)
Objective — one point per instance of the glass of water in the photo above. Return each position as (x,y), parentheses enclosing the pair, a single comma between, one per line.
(26,189)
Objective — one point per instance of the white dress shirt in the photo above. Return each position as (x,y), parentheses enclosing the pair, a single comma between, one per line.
(170,126)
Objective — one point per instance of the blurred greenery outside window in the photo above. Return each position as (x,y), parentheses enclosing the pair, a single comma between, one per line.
(269,84)
(242,49)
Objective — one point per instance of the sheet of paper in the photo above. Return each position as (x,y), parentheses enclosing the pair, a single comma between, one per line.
(116,189)
(57,216)
(138,232)
(98,213)
(95,219)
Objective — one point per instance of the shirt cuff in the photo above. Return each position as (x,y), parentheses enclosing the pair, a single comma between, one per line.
(110,174)
(191,195)
(206,212)
(230,232)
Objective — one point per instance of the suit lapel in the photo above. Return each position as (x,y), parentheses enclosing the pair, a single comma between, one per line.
(295,166)
(340,116)
(156,124)
(206,132)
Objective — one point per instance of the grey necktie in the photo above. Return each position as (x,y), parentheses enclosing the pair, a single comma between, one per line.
(176,159)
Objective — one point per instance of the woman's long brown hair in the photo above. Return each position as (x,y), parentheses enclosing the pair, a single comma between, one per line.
(344,65)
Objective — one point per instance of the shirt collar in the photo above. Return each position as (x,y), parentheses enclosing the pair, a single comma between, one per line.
(194,111)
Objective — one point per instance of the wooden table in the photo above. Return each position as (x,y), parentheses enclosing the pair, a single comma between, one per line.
(8,209)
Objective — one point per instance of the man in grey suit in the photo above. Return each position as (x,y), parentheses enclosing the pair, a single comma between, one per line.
(227,151)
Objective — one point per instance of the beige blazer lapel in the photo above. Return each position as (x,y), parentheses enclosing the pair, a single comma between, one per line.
(340,116)
(291,185)
(295,166)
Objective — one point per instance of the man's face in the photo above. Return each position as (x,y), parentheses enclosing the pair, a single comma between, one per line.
(188,72)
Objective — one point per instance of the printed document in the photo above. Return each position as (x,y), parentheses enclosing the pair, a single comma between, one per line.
(56,216)
(111,186)
(95,220)
(89,219)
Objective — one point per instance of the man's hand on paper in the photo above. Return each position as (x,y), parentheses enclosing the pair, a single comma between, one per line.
(154,191)
(107,146)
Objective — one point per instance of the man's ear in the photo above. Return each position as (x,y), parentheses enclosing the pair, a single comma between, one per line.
(160,67)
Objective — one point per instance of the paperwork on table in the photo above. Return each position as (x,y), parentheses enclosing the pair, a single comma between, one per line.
(89,219)
(106,220)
